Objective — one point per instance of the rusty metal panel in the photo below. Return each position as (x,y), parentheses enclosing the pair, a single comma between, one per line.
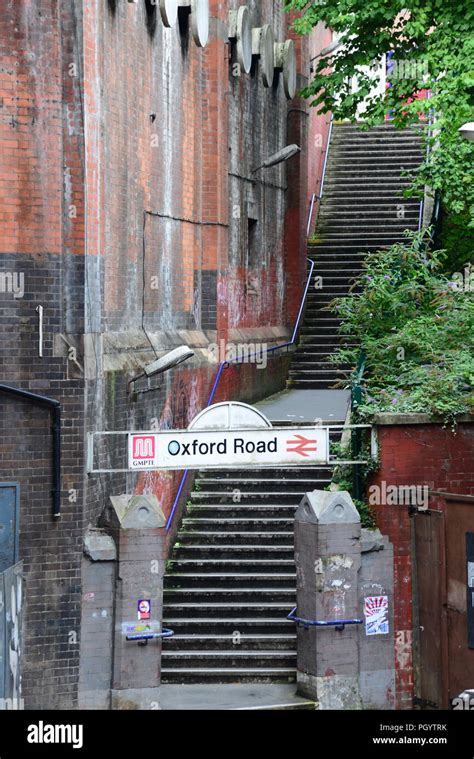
(431,586)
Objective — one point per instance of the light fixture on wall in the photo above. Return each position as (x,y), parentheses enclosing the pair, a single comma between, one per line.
(331,48)
(165,363)
(283,155)
(467,131)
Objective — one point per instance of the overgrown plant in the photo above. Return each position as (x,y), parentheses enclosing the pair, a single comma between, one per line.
(431,46)
(416,327)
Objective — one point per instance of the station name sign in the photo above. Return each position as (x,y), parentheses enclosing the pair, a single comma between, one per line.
(228,448)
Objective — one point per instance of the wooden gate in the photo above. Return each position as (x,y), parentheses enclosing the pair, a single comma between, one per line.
(444,601)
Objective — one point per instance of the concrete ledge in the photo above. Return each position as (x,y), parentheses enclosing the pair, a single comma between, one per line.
(99,546)
(131,351)
(136,698)
(388,419)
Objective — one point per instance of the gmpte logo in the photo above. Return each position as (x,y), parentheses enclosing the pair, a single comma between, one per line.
(464,701)
(12,282)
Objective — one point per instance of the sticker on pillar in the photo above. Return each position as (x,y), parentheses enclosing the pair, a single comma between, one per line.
(144,609)
(376,615)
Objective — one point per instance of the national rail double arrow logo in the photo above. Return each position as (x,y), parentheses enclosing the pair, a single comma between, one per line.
(302,445)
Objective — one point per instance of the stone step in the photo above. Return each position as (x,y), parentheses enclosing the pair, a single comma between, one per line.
(230,610)
(251,497)
(199,660)
(232,551)
(361,151)
(357,212)
(233,674)
(230,580)
(216,564)
(251,510)
(205,596)
(190,538)
(251,642)
(252,484)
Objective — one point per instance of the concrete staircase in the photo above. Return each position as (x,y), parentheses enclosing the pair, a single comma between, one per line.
(231,580)
(362,209)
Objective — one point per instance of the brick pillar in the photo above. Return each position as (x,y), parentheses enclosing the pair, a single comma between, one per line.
(328,559)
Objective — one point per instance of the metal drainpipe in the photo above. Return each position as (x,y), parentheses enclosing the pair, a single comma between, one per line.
(55,408)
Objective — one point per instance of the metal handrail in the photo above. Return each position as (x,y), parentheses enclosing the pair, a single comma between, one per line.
(165,633)
(339,624)
(221,368)
(319,197)
(310,214)
(323,178)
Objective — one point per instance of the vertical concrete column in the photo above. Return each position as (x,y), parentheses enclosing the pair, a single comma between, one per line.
(97,614)
(328,558)
(141,543)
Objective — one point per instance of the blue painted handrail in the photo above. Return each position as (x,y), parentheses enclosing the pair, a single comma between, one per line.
(339,624)
(165,633)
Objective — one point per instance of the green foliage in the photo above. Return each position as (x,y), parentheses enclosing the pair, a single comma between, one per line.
(432,43)
(343,478)
(416,327)
(457,240)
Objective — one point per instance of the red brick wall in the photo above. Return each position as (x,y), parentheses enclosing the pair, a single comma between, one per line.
(109,126)
(318,124)
(421,454)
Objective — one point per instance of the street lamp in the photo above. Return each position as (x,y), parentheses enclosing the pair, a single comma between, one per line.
(276,158)
(467,131)
(163,364)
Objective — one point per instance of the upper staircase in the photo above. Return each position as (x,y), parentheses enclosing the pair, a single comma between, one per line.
(362,209)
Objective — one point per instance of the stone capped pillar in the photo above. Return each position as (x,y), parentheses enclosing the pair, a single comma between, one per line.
(328,559)
(141,544)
